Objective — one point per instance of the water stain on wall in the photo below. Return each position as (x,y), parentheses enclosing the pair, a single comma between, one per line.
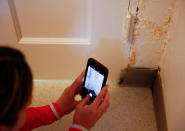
(158,29)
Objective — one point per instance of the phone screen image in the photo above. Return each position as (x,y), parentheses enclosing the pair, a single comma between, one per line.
(94,81)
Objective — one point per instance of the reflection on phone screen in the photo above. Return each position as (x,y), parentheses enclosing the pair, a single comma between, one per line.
(94,81)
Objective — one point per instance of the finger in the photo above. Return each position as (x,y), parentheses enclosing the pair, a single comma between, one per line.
(78,89)
(85,101)
(101,96)
(78,80)
(75,103)
(105,104)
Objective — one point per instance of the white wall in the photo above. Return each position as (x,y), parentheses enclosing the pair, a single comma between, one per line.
(173,72)
(67,61)
(107,37)
(56,18)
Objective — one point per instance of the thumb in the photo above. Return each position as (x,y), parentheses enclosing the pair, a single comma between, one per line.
(85,101)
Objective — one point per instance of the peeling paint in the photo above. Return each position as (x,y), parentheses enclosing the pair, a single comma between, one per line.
(142,3)
(132,56)
(158,30)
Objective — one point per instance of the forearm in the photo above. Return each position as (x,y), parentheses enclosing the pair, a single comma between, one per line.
(38,116)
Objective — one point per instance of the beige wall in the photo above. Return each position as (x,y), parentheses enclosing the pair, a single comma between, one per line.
(107,38)
(173,72)
(67,61)
(56,18)
(150,36)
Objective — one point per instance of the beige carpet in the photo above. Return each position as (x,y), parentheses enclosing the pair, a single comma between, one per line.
(131,109)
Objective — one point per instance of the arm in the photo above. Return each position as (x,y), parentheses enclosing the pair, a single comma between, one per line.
(38,116)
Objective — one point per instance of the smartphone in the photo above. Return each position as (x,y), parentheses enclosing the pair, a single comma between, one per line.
(95,78)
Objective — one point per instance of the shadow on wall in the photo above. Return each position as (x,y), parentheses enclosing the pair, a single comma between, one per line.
(159,105)
(67,61)
(109,52)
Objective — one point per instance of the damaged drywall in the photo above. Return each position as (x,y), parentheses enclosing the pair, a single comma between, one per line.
(151,32)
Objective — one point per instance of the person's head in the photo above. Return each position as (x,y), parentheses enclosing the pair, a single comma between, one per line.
(15,86)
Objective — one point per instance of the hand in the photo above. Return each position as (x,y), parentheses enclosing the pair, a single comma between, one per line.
(66,102)
(87,115)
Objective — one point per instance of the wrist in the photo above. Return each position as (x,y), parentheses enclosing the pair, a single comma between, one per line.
(58,109)
(80,127)
(61,109)
(85,125)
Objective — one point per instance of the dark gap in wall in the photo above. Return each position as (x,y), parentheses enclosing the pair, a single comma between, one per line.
(138,76)
(158,99)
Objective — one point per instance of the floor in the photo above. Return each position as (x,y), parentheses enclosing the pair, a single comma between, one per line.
(131,109)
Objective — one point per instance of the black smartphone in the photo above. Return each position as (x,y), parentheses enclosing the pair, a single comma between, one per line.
(95,78)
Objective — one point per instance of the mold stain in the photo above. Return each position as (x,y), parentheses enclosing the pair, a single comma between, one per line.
(132,57)
(159,31)
(142,3)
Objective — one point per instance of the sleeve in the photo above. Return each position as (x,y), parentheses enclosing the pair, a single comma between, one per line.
(76,127)
(38,116)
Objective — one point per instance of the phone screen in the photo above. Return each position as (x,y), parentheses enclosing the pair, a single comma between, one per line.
(94,81)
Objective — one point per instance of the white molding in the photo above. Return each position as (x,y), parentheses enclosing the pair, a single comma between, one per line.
(43,40)
(15,19)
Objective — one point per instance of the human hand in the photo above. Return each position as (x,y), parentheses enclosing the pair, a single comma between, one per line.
(87,115)
(66,102)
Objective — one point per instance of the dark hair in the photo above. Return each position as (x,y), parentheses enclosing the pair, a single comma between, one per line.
(15,85)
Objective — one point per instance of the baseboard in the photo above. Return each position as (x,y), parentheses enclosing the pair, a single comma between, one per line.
(159,106)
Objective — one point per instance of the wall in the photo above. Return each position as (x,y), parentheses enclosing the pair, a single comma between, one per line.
(64,18)
(173,72)
(151,32)
(67,61)
(108,39)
